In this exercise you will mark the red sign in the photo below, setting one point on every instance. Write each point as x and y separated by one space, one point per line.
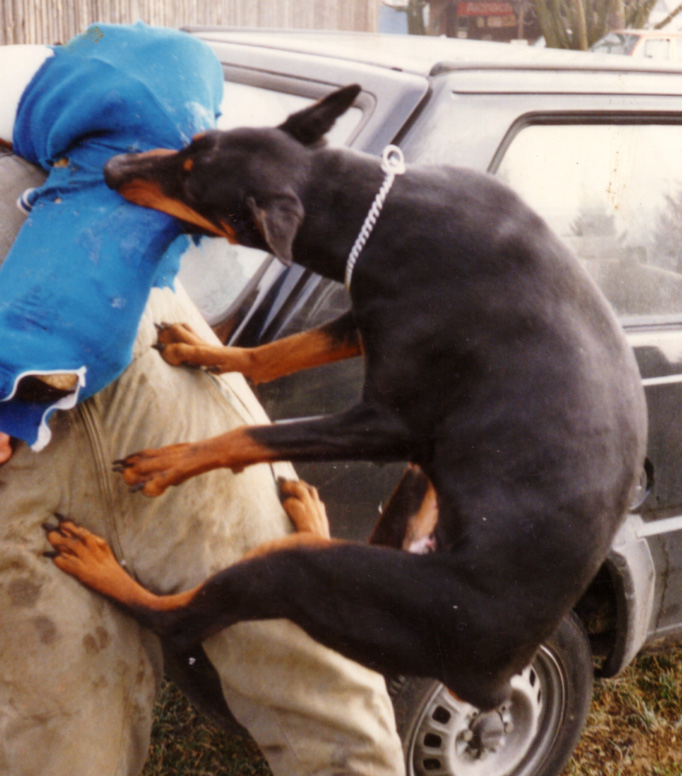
482 8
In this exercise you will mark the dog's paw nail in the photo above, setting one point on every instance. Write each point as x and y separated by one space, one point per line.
51 554
137 487
159 346
59 516
48 527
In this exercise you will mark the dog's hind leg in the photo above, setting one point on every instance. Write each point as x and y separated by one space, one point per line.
337 340
88 557
409 518
392 611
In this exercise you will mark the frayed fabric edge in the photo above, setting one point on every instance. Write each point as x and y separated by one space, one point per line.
65 403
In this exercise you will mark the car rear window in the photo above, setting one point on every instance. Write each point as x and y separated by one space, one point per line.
657 49
613 192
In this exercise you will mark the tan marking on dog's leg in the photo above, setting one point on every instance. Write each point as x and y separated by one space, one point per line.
153 471
261 364
89 559
171 333
409 517
180 345
307 512
293 354
422 524
291 542
304 506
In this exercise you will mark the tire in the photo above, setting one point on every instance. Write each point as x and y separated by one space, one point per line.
532 735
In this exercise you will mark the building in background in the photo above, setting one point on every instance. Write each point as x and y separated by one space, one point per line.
500 20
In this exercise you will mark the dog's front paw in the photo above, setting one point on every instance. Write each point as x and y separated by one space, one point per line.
178 344
177 333
152 472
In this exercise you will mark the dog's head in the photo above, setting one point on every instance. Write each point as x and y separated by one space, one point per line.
239 184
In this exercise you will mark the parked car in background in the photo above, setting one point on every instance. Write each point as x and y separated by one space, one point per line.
593 146
647 44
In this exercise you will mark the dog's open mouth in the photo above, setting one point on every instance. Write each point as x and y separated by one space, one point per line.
149 194
136 177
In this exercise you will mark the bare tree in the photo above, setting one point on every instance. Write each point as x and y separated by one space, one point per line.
577 24
415 17
669 18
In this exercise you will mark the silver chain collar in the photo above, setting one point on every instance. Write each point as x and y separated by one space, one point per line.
392 163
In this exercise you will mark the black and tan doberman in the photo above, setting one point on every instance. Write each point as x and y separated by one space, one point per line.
493 364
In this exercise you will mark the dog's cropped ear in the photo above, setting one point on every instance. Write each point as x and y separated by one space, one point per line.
311 124
278 217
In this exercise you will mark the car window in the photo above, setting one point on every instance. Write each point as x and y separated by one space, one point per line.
245 105
613 192
615 43
217 275
657 49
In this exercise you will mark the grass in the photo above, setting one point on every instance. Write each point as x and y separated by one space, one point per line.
634 729
187 743
635 723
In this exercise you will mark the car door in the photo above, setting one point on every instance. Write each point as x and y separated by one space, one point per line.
605 171
614 193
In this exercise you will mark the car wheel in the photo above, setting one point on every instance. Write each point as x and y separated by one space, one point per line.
533 734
